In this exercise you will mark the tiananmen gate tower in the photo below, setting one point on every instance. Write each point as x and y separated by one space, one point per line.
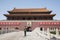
30 17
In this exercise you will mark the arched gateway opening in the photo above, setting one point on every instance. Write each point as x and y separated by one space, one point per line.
28 29
17 28
41 29
0 28
29 26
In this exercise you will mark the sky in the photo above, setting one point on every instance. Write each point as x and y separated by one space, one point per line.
7 5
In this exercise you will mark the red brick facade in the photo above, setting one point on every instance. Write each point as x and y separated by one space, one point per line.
21 25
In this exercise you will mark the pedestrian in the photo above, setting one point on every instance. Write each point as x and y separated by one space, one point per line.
25 31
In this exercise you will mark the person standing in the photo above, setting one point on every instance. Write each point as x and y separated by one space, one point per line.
25 31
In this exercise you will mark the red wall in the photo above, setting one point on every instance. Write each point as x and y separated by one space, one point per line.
21 25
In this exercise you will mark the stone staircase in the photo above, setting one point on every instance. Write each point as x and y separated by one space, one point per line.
46 35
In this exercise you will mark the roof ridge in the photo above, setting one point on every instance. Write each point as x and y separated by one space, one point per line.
30 8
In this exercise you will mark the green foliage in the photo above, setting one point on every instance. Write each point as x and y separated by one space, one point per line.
53 32
59 32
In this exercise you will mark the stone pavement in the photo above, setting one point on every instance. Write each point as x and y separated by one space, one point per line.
19 35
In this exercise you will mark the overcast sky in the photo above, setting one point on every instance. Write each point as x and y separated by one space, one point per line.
6 5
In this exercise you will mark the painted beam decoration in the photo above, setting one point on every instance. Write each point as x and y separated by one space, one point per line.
9 23
49 23
18 23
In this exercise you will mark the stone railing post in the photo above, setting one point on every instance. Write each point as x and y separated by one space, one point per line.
43 30
57 32
48 32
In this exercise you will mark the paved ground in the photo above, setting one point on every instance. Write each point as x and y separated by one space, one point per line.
20 36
